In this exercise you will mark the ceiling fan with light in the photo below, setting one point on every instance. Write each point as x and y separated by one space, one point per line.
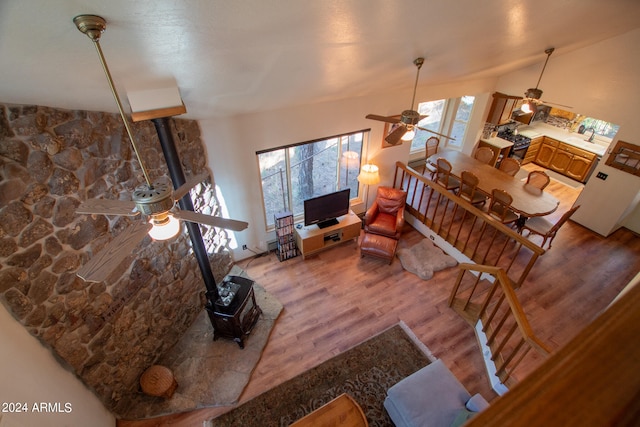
152 200
532 95
408 121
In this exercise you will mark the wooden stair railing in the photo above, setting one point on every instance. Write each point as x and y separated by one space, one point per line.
495 261
592 380
471 232
483 295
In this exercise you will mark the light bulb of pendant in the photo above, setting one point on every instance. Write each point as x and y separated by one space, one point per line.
408 136
164 228
526 108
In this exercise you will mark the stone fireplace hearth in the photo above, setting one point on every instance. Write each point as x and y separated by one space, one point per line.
106 333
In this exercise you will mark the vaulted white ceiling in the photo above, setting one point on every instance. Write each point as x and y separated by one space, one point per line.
233 57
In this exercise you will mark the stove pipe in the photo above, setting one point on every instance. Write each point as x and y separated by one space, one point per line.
177 176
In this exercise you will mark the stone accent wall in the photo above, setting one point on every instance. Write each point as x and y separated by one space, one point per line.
107 333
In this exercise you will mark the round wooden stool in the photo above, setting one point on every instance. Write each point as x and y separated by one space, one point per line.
158 381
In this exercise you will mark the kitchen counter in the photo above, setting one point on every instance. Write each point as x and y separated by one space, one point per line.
498 142
575 139
500 147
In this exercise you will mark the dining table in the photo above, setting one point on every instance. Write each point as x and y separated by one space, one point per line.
528 201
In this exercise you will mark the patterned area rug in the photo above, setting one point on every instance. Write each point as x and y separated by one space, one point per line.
365 372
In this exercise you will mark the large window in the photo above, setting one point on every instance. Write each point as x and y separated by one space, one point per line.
601 127
446 116
294 173
434 110
463 107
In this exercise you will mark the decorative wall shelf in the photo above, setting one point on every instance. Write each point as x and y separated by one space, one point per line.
625 157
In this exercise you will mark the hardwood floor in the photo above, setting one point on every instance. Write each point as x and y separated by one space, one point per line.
335 300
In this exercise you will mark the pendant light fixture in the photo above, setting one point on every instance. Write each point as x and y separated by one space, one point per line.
532 95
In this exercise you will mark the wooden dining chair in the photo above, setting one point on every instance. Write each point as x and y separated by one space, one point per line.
538 179
468 189
500 207
484 155
444 176
510 166
545 228
431 148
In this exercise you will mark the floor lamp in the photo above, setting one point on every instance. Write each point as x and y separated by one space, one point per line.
368 176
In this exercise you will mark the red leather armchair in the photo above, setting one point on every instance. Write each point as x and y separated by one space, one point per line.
386 214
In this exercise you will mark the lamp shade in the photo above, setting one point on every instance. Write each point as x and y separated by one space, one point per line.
526 108
369 174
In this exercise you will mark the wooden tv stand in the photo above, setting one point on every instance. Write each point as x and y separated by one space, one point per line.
312 239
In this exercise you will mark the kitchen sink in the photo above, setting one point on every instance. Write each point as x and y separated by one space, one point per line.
580 142
577 140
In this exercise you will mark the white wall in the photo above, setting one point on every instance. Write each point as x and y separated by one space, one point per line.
232 144
600 81
30 374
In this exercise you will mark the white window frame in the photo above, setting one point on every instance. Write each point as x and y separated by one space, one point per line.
446 125
269 222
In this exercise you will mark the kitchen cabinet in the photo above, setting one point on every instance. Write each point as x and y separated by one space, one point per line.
532 151
501 108
565 159
547 151
560 160
581 163
579 168
563 114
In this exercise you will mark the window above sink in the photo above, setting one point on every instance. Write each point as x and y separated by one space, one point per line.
594 130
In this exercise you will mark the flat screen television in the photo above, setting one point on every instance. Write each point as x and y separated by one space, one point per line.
323 210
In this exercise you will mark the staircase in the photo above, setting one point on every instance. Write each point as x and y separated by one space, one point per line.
484 297
494 261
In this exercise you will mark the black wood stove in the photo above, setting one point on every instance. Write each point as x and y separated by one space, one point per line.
235 312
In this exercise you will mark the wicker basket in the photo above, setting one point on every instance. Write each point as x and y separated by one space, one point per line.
158 381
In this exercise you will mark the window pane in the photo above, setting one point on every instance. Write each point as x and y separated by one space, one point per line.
601 127
461 120
314 171
465 107
457 132
435 110
350 163
274 183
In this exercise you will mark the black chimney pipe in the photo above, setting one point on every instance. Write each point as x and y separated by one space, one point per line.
177 176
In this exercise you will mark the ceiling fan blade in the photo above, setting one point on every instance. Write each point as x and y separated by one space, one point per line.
108 207
439 134
98 268
395 136
391 119
215 221
179 192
